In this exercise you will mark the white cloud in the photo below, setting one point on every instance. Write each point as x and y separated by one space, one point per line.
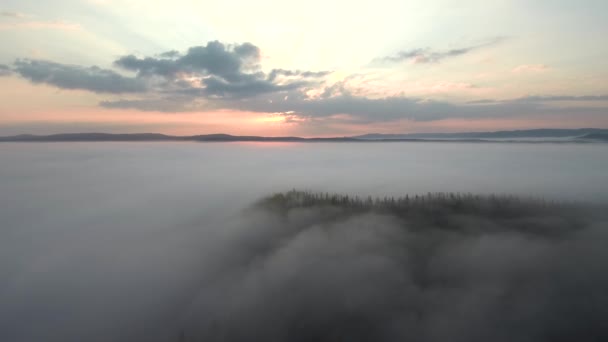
39 25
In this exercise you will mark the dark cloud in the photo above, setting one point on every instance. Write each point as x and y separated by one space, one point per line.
535 99
5 70
215 58
226 71
562 98
361 108
161 104
215 86
213 71
337 99
148 66
169 54
289 73
427 55
76 77
246 50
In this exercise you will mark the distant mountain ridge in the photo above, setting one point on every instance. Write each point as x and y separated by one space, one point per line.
90 137
67 137
529 133
538 135
603 136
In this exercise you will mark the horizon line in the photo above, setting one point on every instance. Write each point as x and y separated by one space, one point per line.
304 137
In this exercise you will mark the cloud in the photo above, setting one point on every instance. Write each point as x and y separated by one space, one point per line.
5 70
362 109
427 55
563 98
337 102
40 25
172 81
357 107
274 73
76 77
222 88
220 70
220 76
161 104
169 54
226 61
213 71
12 14
148 66
530 68
545 98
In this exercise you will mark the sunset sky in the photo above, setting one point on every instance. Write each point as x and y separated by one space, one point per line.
307 68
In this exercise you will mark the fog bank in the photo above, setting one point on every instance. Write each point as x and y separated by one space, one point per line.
162 242
304 267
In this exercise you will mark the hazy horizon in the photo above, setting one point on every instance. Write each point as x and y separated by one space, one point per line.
326 136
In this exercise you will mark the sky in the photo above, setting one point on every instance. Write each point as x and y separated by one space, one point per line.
308 68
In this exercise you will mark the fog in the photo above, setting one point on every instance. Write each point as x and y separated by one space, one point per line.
164 242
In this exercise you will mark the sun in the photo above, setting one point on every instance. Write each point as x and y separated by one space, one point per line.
271 118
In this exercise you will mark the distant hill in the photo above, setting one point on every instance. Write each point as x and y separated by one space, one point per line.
532 135
74 137
516 134
91 137
603 136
